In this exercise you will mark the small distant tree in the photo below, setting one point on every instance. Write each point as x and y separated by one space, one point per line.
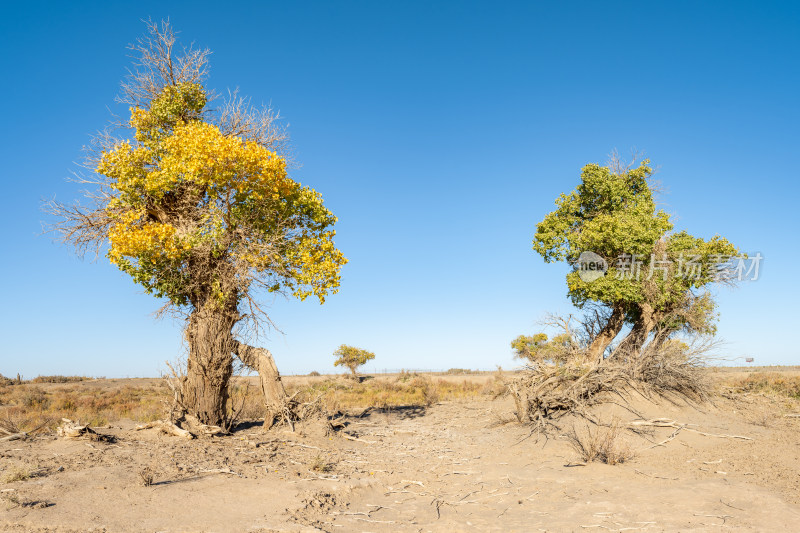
352 357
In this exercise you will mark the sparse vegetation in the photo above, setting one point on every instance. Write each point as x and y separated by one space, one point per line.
60 379
460 371
26 407
601 443
146 476
404 390
16 473
771 383
320 464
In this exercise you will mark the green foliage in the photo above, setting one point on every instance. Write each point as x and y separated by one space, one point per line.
609 214
613 213
539 350
352 357
200 215
177 103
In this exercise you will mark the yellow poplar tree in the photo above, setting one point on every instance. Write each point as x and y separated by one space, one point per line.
198 208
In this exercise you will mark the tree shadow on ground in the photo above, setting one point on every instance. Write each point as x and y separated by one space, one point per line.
400 412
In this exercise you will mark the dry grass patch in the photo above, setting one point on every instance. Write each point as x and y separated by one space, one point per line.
770 383
60 379
320 464
16 473
408 389
28 406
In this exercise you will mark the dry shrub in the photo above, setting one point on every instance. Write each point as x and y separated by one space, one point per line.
776 383
59 379
320 464
26 407
407 389
603 444
460 371
16 473
546 392
19 420
146 476
498 386
245 401
430 394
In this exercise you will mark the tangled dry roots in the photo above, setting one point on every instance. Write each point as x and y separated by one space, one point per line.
548 391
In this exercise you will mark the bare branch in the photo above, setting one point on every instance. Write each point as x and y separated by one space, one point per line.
156 66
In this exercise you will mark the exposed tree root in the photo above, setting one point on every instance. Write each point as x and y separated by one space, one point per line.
546 392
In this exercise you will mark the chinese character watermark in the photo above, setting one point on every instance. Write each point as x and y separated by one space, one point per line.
720 268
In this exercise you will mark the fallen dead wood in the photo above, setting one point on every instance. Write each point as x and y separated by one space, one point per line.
220 471
350 437
74 430
290 443
198 428
14 436
167 427
654 476
668 423
665 441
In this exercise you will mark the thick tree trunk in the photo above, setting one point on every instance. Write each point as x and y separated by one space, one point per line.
205 393
642 328
607 335
260 360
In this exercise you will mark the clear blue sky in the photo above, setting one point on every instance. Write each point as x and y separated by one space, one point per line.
440 134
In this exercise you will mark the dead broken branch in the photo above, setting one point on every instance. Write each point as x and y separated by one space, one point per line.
669 423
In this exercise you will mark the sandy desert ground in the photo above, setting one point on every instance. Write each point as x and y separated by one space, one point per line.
453 466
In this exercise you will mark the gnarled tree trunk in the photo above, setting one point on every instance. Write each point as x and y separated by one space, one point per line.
205 391
644 325
260 360
607 335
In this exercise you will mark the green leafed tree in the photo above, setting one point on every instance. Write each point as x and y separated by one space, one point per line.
352 357
648 284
